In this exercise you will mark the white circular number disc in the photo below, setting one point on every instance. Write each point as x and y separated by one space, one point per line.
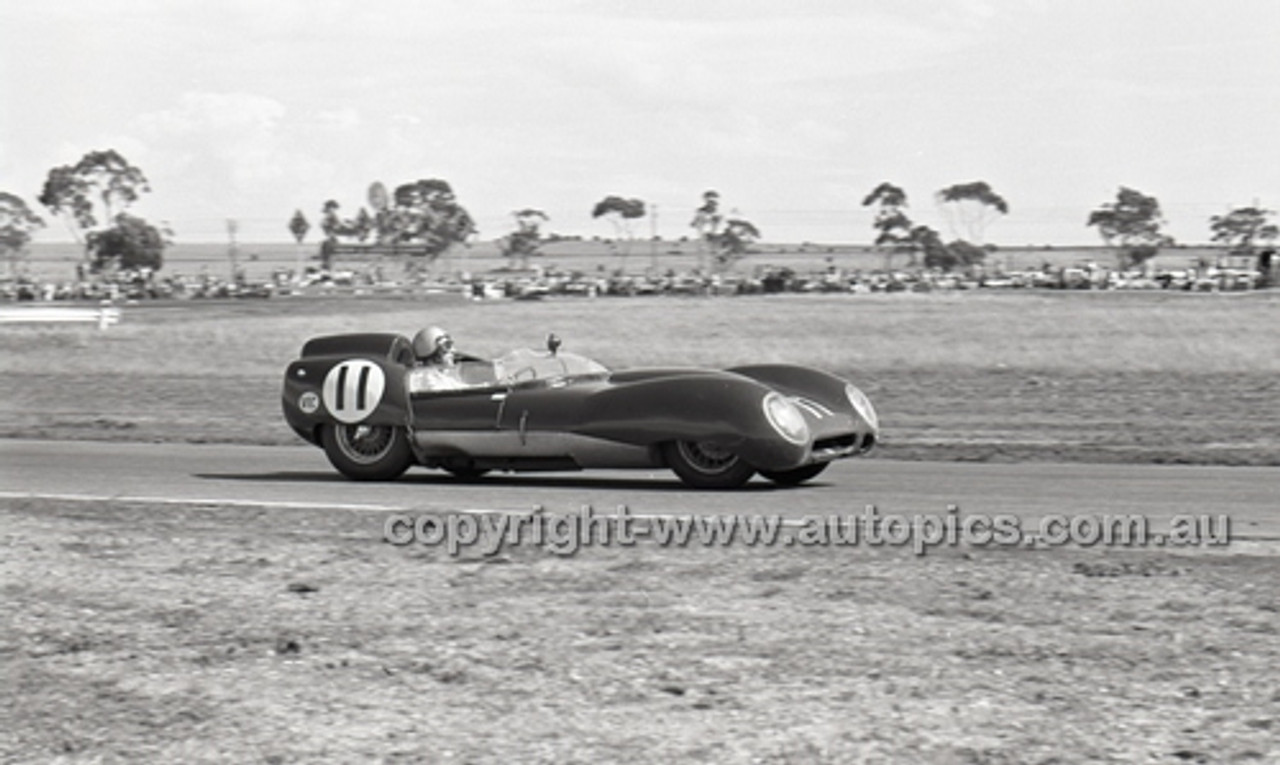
353 389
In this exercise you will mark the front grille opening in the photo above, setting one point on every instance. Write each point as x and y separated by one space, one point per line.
838 443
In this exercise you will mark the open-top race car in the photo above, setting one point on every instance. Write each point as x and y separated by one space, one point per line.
368 400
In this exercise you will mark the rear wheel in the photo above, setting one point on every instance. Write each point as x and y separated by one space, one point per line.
705 465
795 476
367 452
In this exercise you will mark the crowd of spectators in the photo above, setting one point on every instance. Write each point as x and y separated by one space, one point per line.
547 281
132 284
769 279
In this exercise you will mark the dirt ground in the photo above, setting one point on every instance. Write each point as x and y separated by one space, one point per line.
226 634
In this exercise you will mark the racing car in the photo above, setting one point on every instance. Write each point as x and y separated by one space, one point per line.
365 400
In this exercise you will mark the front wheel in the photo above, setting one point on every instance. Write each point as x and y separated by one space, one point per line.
367 452
704 465
795 476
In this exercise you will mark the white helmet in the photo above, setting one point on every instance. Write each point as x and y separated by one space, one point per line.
430 342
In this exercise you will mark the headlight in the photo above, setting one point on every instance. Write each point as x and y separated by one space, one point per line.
862 405
786 418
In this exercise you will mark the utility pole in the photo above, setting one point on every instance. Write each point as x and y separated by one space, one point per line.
232 255
653 235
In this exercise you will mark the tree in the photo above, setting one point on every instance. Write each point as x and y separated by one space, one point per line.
891 221
423 213
106 180
363 225
330 223
131 243
936 254
886 195
894 228
1242 227
426 213
73 191
731 243
973 205
727 238
706 220
17 223
336 227
523 243
621 212
298 226
1131 225
968 253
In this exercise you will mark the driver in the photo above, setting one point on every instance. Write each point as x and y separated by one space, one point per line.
438 365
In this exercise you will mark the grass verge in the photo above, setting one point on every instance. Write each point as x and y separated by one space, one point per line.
1097 377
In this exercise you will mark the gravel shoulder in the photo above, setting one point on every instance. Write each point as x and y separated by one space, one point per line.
203 634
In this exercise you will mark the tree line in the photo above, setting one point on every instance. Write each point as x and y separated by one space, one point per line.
94 196
423 218
1132 225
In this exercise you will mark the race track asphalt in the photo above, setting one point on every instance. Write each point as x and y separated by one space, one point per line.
301 476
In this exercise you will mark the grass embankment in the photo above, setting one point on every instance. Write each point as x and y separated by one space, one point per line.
1088 376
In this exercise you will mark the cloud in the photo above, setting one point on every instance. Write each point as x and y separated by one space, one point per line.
226 114
217 155
339 119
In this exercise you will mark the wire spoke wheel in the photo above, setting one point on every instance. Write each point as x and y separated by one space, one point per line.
365 444
706 457
367 452
706 465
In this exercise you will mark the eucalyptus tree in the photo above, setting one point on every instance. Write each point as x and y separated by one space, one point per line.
621 212
1243 228
17 224
1131 225
970 207
93 197
895 232
525 241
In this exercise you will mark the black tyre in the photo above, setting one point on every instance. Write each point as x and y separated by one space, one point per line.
367 452
704 465
795 476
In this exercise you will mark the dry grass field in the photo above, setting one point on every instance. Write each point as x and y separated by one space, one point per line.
1171 377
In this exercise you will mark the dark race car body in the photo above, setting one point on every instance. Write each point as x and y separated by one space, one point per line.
363 398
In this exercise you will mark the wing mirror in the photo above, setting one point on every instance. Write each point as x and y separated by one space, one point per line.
553 343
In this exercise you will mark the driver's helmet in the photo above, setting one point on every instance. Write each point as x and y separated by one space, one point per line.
431 342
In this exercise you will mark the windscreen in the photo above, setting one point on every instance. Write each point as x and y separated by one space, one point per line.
524 365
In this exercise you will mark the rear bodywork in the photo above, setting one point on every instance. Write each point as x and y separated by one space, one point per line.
548 411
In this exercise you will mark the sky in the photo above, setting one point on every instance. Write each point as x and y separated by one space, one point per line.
793 111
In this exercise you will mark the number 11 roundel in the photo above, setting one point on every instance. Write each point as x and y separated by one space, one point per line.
353 389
